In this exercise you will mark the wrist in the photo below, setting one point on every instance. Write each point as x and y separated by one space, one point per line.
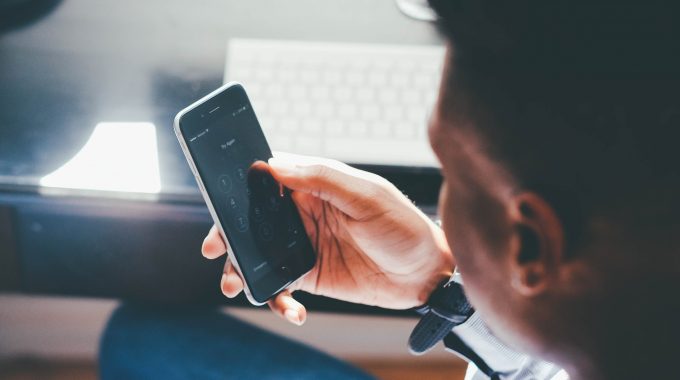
440 269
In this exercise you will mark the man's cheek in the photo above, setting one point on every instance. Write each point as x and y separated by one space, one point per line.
446 215
452 225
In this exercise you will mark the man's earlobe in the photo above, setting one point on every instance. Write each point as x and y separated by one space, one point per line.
539 247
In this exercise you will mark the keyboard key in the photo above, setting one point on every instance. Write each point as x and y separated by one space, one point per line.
335 128
280 142
430 98
407 66
308 145
412 97
302 109
319 93
354 78
287 76
324 110
311 126
431 66
332 77
267 123
388 96
260 106
399 79
404 130
377 79
264 75
359 64
423 80
297 92
365 94
254 89
272 126
289 125
383 64
278 108
416 114
381 129
347 111
369 112
309 77
274 91
394 113
421 133
242 72
358 129
342 94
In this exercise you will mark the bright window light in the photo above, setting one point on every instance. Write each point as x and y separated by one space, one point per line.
119 156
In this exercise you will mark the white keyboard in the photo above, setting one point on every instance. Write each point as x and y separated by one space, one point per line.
358 103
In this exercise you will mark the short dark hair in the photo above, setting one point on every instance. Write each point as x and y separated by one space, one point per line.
580 100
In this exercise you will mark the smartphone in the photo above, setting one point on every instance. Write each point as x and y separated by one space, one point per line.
227 151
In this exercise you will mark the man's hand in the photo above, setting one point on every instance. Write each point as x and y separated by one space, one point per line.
373 245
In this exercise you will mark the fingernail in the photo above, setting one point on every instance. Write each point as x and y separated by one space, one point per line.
293 316
282 166
223 284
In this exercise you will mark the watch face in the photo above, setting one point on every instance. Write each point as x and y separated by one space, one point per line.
450 299
452 308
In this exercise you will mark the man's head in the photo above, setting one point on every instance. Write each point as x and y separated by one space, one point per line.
557 127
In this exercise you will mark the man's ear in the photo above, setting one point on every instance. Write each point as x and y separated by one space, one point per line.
539 247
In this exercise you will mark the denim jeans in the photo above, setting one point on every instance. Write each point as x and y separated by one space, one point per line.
143 343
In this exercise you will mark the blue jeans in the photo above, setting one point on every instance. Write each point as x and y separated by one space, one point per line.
141 343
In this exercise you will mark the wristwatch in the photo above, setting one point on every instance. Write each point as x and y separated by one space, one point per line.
446 308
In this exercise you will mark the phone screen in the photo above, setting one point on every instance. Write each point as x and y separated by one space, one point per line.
262 224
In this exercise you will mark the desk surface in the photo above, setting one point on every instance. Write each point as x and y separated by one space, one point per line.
88 62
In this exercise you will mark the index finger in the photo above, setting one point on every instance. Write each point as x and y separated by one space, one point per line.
352 191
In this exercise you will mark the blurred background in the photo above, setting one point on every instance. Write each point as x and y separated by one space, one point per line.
97 204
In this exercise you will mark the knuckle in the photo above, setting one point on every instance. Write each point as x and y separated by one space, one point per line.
320 172
373 191
382 183
379 186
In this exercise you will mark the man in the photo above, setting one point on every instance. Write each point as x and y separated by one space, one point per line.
556 127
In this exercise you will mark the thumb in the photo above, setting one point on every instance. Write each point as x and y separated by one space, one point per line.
354 192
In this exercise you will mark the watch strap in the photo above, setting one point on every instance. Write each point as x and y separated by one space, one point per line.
446 308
